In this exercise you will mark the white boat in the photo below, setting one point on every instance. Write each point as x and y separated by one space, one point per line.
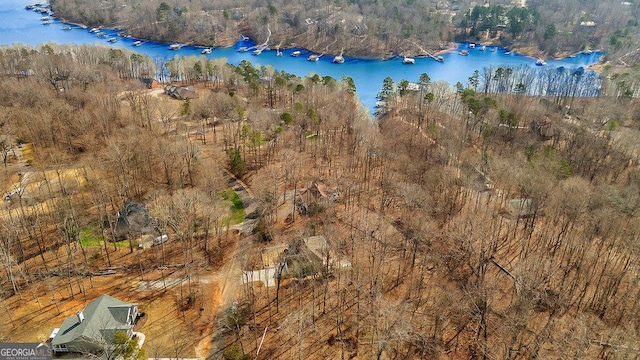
45 18
112 39
408 60
338 59
47 22
439 58
257 51
493 49
175 46
296 53
483 48
472 46
94 30
207 51
66 27
244 38
243 49
587 52
541 62
278 52
313 57
464 52
508 53
137 43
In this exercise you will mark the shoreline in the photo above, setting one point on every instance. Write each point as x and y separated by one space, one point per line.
65 21
451 48
129 36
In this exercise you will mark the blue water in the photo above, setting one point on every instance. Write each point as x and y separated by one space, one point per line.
20 26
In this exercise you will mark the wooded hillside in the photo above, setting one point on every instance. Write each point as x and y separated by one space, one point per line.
377 28
458 224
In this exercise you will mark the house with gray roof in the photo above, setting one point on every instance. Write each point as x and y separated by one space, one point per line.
93 329
181 92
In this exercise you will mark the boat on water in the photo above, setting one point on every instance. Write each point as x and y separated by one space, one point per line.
101 35
66 27
472 46
243 49
483 48
207 51
494 49
244 38
28 7
541 62
439 58
175 46
47 22
45 18
94 30
137 43
112 39
296 53
586 52
463 52
257 51
508 52
338 59
314 57
408 60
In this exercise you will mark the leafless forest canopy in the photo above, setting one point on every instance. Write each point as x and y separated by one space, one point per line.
376 27
477 223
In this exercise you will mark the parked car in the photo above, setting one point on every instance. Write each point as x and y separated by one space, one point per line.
160 239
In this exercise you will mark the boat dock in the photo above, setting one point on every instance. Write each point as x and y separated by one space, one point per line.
437 58
258 49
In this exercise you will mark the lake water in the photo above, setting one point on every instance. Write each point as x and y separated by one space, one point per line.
20 26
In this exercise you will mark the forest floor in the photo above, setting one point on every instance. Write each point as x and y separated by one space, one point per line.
174 326
160 294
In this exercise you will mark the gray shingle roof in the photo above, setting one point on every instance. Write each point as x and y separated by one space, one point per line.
104 313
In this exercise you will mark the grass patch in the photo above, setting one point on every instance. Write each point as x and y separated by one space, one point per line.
90 237
27 153
236 209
